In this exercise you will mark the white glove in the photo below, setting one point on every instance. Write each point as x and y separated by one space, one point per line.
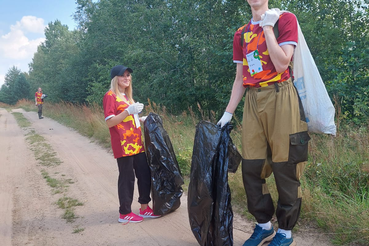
143 118
225 119
270 17
135 108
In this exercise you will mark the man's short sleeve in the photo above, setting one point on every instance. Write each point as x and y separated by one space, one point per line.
287 27
237 46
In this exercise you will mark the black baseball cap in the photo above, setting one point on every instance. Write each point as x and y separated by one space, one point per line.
119 70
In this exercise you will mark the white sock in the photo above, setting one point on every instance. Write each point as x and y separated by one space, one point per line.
266 226
286 232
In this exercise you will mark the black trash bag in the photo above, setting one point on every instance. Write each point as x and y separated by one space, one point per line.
166 177
234 157
209 197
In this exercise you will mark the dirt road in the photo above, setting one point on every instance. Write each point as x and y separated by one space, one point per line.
29 214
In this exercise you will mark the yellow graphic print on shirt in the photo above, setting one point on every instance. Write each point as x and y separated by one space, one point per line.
130 118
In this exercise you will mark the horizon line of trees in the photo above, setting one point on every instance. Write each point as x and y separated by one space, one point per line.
181 52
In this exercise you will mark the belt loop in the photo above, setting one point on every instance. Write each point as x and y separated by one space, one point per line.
276 86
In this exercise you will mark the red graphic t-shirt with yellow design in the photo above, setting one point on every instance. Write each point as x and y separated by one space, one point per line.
38 97
126 138
254 39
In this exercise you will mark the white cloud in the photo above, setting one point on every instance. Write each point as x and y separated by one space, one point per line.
30 24
15 45
17 48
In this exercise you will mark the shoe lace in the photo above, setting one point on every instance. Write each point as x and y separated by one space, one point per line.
128 220
277 239
256 233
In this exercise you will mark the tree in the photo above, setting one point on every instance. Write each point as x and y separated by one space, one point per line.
5 95
22 88
54 65
337 34
16 87
181 51
8 91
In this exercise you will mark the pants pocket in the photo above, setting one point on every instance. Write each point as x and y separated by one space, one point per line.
299 143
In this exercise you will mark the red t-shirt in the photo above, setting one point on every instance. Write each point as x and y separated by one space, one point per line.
126 138
254 39
38 97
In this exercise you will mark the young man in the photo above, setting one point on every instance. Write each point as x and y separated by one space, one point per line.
274 137
39 102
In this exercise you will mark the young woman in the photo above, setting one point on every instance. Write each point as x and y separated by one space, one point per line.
121 116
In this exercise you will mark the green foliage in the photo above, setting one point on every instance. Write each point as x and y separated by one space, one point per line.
352 83
53 67
337 35
99 84
181 52
337 178
52 182
22 88
184 157
5 94
348 173
68 202
21 120
78 229
16 87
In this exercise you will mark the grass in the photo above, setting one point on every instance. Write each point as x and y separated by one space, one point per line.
52 182
335 183
337 180
78 229
43 151
21 120
67 202
68 205
58 185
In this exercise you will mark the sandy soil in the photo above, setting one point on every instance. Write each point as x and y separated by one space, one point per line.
29 215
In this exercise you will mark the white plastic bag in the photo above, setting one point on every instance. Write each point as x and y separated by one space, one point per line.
318 107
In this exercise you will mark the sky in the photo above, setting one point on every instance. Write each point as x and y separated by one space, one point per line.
22 24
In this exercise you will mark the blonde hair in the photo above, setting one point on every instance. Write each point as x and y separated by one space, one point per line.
115 89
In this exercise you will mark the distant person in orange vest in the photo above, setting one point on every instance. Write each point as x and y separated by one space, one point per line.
39 102
121 116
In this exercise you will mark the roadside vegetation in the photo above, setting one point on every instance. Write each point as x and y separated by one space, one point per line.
47 158
335 183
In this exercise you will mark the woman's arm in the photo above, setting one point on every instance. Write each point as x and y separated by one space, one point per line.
132 109
115 120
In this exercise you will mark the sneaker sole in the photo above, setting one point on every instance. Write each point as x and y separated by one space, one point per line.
129 221
293 243
149 216
267 239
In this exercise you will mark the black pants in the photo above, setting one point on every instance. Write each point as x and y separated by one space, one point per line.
129 167
39 110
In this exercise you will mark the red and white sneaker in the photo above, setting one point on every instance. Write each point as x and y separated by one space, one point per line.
129 218
148 213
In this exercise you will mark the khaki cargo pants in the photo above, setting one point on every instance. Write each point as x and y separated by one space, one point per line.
274 139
